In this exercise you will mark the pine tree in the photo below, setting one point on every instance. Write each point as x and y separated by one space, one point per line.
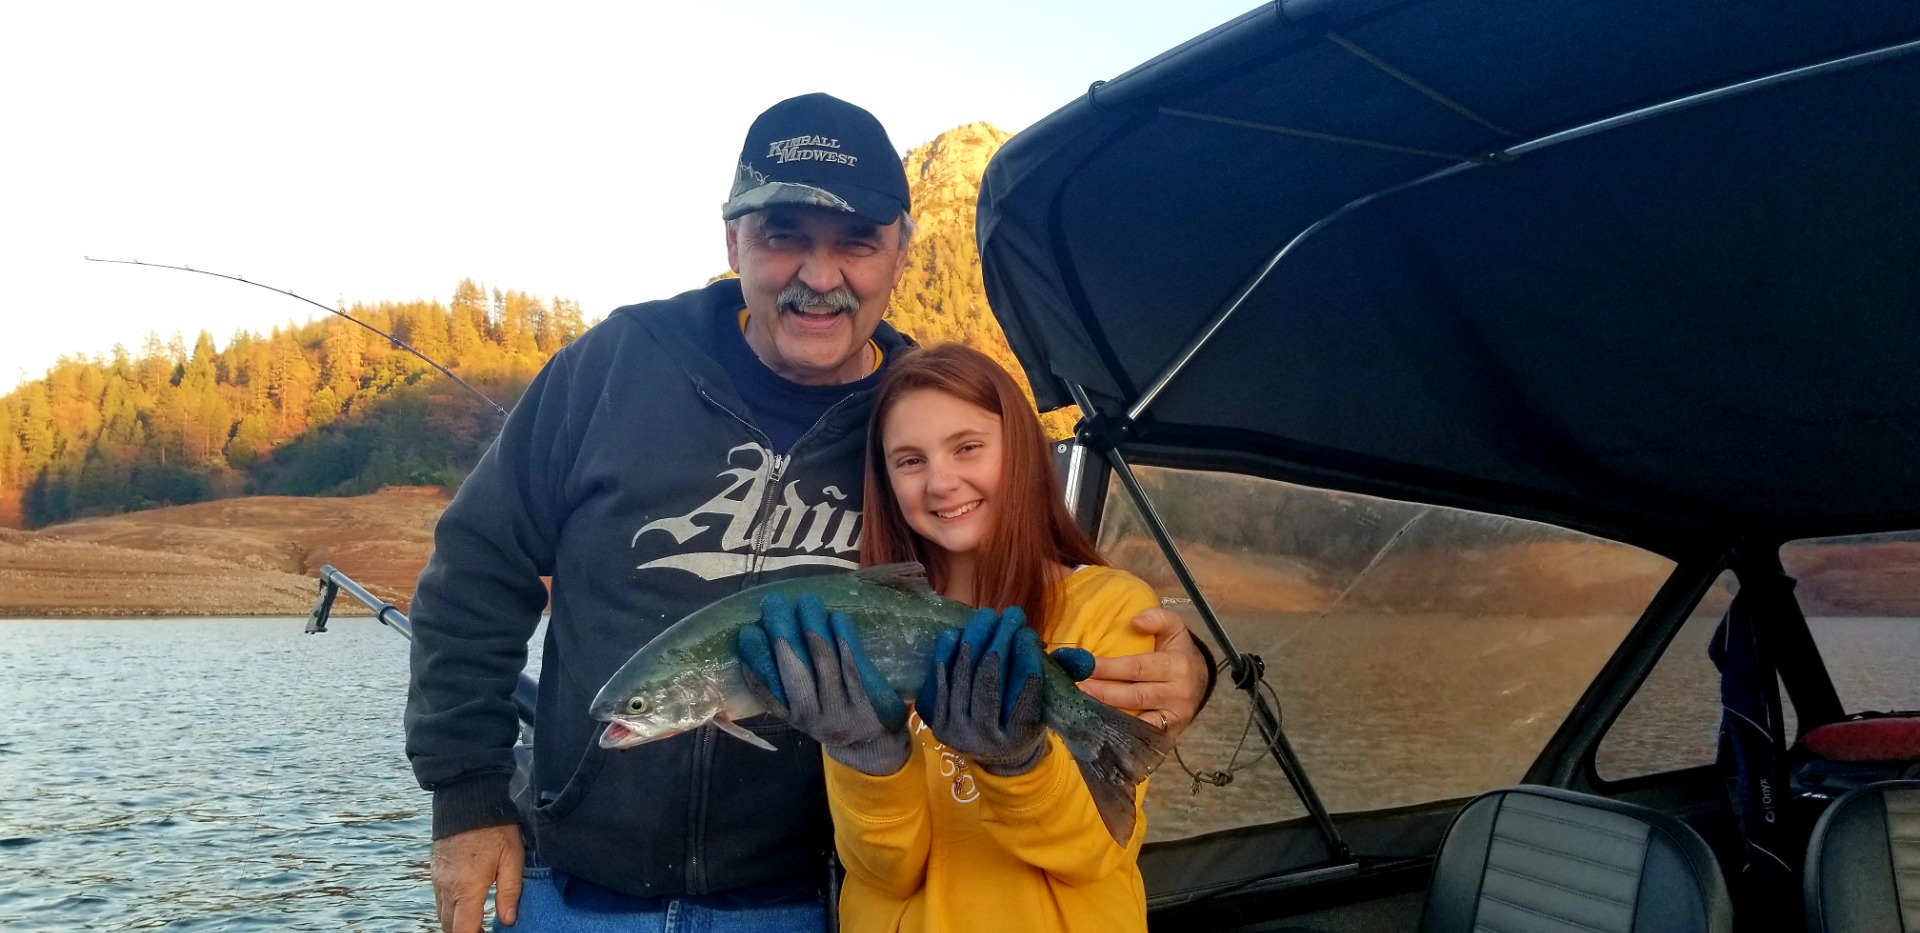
12 457
467 326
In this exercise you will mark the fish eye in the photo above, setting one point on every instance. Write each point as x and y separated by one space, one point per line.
637 705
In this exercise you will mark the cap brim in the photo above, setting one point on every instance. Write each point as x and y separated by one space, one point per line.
864 203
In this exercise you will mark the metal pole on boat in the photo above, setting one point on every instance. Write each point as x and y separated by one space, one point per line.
333 582
1246 669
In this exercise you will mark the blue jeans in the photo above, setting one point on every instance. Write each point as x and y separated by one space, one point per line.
543 909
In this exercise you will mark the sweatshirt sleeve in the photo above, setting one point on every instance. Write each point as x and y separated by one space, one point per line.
477 605
882 825
1046 816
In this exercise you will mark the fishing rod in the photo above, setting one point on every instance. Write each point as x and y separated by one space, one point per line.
526 690
390 338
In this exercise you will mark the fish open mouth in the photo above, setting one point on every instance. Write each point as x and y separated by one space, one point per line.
618 734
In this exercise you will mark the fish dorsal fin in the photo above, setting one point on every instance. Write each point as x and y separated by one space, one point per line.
909 577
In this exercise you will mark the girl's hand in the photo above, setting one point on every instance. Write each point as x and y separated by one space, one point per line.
983 693
807 667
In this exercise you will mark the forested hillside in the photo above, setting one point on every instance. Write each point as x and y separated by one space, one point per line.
324 407
327 408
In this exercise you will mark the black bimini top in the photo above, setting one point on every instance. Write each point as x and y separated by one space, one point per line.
1648 269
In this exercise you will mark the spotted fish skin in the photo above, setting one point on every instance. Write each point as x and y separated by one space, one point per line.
690 676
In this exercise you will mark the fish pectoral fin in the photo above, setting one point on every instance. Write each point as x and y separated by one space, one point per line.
740 732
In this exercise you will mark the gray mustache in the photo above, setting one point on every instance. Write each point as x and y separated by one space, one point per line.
798 295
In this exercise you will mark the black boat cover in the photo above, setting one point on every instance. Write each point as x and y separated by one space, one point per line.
1683 329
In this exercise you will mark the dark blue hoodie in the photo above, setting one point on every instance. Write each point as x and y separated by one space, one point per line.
633 474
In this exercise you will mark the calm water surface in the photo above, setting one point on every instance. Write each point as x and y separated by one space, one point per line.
207 775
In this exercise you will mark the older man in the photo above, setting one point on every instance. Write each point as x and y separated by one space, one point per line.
680 451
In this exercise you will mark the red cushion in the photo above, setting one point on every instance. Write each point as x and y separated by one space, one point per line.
1881 738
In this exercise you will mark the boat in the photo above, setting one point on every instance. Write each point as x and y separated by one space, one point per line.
1636 281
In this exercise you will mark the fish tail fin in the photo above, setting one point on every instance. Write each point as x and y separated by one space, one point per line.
1115 752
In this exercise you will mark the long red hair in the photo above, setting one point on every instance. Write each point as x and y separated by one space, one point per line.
1018 562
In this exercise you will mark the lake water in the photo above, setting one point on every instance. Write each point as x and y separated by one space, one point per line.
237 775
207 775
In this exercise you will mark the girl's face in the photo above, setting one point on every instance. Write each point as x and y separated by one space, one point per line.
943 462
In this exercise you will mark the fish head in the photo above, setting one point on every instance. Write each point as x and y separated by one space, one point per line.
647 706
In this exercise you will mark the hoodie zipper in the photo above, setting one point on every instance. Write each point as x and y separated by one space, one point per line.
777 473
763 532
703 759
703 755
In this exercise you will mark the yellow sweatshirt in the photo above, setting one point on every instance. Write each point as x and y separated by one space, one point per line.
943 845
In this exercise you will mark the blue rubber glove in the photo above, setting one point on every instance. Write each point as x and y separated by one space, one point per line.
806 666
1077 662
982 696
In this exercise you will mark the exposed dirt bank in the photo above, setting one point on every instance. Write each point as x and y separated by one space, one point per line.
233 557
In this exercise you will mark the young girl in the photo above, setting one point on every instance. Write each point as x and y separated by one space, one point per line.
982 830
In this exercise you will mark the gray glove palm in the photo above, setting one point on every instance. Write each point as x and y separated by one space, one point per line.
982 697
807 667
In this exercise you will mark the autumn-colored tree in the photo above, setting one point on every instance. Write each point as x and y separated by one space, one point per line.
313 408
342 363
12 457
467 326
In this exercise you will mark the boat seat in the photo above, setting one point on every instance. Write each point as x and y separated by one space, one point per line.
1863 861
1537 859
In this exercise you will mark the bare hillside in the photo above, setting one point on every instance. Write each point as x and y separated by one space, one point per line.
232 557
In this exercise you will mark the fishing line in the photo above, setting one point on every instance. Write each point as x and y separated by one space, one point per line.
1223 777
395 341
1355 582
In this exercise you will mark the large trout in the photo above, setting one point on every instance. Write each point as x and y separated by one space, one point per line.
689 676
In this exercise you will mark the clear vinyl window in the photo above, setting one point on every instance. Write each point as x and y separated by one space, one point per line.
1673 721
1418 653
1861 597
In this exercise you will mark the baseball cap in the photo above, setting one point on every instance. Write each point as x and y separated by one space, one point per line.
819 150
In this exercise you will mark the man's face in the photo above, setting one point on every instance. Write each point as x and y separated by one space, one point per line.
823 250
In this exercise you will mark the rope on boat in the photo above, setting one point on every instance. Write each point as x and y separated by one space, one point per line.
1251 678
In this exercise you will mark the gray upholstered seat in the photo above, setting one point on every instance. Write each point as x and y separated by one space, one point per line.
1539 859
1863 862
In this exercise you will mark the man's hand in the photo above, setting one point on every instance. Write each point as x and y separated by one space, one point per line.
1165 686
465 865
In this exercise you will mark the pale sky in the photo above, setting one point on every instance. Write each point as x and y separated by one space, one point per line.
385 150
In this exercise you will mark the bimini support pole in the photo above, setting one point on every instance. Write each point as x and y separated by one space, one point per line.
1472 161
1246 669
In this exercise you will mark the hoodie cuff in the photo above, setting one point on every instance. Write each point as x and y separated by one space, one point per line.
1213 672
472 804
885 798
